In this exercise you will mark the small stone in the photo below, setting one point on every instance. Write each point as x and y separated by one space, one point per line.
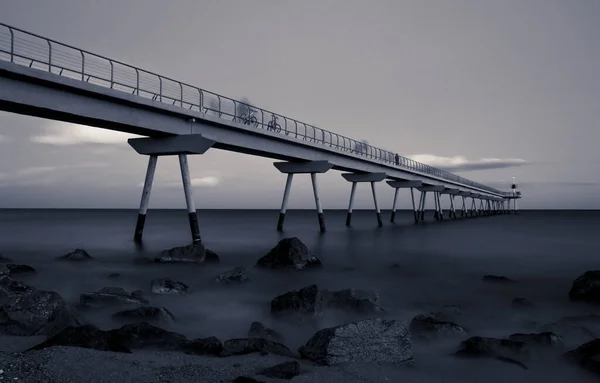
110 296
491 347
300 304
77 255
168 286
429 326
544 339
289 253
236 275
193 253
497 279
259 330
286 370
363 301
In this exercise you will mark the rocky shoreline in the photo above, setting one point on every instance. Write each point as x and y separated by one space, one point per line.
374 339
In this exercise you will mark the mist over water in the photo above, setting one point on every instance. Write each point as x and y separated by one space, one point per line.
438 264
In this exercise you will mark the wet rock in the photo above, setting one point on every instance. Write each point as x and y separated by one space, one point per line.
86 337
543 340
497 279
492 347
4 271
300 304
362 301
144 335
289 253
574 330
259 330
431 326
168 286
204 346
372 340
194 253
587 355
76 255
27 311
211 257
114 275
149 314
110 296
586 288
286 370
243 346
236 275
20 269
522 303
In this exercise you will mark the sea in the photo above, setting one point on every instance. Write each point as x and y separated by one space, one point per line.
415 269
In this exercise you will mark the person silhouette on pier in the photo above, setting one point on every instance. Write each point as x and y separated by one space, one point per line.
397 158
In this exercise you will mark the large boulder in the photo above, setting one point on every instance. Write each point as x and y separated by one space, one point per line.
27 311
289 253
587 355
86 337
159 315
259 330
431 326
371 340
76 255
193 253
111 296
362 301
236 275
144 335
300 304
168 286
243 346
586 288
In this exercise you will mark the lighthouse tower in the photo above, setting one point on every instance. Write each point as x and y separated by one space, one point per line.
516 194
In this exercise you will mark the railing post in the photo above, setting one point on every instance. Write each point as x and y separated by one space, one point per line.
137 81
12 45
200 99
82 66
112 75
181 94
160 88
49 56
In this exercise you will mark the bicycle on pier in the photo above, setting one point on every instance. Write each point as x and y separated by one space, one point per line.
249 118
273 125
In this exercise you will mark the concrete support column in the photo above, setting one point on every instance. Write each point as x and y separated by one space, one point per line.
424 195
286 196
412 197
452 212
189 199
436 212
421 203
393 216
139 226
463 210
349 215
405 184
313 177
515 205
379 221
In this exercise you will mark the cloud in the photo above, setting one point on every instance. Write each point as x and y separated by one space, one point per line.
63 133
210 181
460 163
4 138
45 175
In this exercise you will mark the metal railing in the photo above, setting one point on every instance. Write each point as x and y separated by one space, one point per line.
28 49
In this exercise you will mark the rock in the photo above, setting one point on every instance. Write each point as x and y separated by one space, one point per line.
587 355
371 340
144 335
211 257
430 326
522 303
586 288
77 255
363 301
146 314
114 275
497 279
110 296
574 330
245 379
491 347
84 336
544 339
4 271
236 275
243 346
4 259
204 346
19 269
259 330
286 370
299 304
194 253
289 253
168 286
27 311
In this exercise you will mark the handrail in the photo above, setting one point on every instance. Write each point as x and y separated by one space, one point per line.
17 47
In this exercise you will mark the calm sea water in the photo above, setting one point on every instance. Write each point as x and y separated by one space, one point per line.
441 263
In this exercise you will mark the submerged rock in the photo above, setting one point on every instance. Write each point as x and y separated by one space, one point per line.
168 286
86 337
211 257
4 259
28 311
286 370
259 330
586 288
4 271
194 253
245 379
144 335
492 347
114 275
587 355
244 346
522 303
236 275
372 340
146 314
431 326
544 339
497 279
300 304
110 296
76 255
362 301
574 330
204 346
20 269
289 253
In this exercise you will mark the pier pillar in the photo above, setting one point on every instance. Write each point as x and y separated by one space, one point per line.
393 215
402 184
435 189
302 167
421 212
139 227
364 177
286 196
436 212
452 212
180 145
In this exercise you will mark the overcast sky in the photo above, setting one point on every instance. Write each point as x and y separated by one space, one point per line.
450 83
